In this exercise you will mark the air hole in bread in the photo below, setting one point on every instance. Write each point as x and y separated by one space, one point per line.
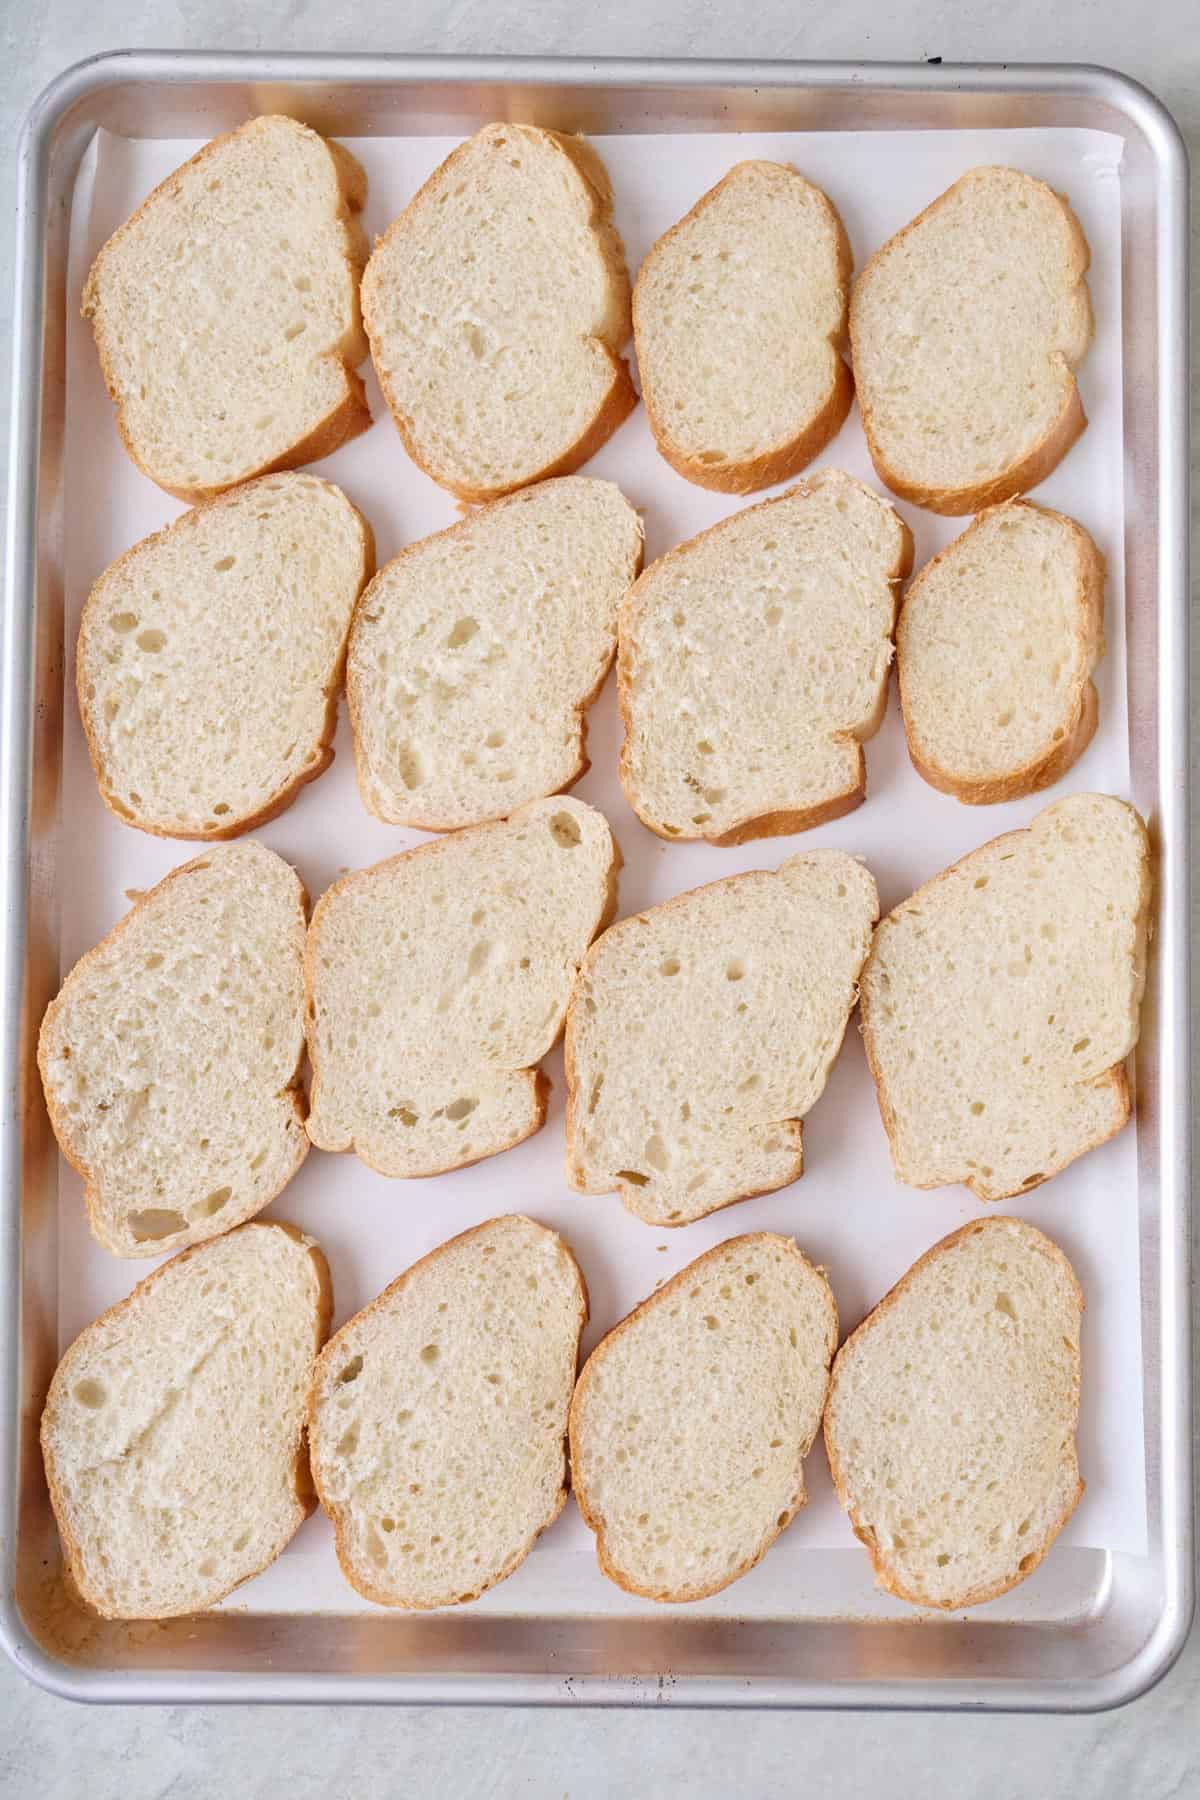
461 1109
293 331
657 1154
124 621
494 740
461 633
348 1442
634 1177
225 564
565 831
151 641
735 970
91 1393
670 966
351 1371
430 1353
214 1202
155 1222
404 1113
409 765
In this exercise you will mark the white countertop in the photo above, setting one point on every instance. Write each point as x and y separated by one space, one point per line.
1150 1751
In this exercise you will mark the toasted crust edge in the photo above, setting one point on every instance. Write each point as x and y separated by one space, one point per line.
351 416
538 1080
423 822
621 397
1116 1078
1047 767
1042 457
781 460
305 1497
322 749
779 822
337 1514
92 1185
885 1576
594 1519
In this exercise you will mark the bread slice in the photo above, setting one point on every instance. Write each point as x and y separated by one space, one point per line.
754 663
692 1418
496 305
173 1432
951 1417
966 329
171 1055
701 1032
476 652
438 979
995 648
739 317
999 1003
226 311
438 1416
211 654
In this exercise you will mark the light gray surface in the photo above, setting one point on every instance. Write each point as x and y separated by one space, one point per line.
1152 1750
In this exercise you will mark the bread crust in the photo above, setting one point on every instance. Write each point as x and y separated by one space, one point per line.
886 1576
1115 1079
361 1583
60 1121
305 1497
620 397
1043 456
322 749
581 707
785 458
1055 759
351 415
778 823
594 1519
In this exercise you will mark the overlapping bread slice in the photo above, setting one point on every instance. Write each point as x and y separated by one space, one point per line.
1000 1001
496 305
966 329
701 1032
438 979
438 1416
739 316
754 662
171 1055
692 1418
173 1432
211 655
476 652
951 1417
226 311
996 644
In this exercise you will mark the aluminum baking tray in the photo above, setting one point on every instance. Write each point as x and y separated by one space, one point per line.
1099 1626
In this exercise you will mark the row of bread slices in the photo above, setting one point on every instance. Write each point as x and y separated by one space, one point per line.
999 1004
179 1426
753 659
497 304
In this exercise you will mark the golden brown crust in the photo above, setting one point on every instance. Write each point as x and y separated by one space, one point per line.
322 750
351 415
593 1518
1115 1078
332 1351
61 1124
581 707
621 396
885 1576
779 461
1043 770
1043 456
538 1079
780 823
305 1498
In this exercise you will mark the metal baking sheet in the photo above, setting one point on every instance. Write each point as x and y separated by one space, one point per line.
1105 1612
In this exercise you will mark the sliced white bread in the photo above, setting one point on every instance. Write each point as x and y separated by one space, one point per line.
739 317
438 1416
211 656
754 662
496 305
226 311
476 652
995 647
171 1055
173 1432
701 1032
438 979
951 1417
966 329
1000 1002
692 1418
